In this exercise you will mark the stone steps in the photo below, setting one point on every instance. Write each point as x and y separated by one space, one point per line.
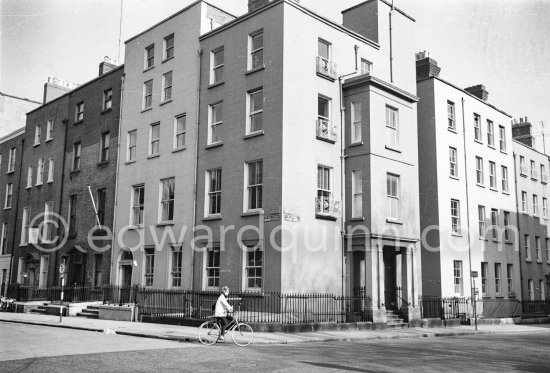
394 321
90 312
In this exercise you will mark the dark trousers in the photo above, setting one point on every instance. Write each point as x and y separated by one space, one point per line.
224 321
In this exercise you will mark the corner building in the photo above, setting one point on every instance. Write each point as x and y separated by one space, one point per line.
467 193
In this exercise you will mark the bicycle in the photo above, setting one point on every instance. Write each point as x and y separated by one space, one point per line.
241 333
6 304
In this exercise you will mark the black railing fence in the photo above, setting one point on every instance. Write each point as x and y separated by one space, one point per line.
108 294
463 308
265 307
536 307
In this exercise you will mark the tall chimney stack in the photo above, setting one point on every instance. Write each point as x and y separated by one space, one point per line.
521 131
426 67
479 91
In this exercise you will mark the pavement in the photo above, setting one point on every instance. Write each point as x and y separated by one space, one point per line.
190 334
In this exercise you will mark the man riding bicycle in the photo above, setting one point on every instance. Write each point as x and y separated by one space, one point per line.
221 310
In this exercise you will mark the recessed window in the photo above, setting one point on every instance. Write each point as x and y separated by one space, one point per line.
455 216
458 282
168 47
149 272
217 62
481 220
179 131
79 112
107 99
48 225
253 268
150 56
215 123
177 262
502 140
4 243
526 247
504 172
73 208
147 94
479 171
490 133
104 145
49 130
11 160
535 205
453 162
138 205
357 193
356 124
212 267
214 185
392 193
497 278
25 225
484 271
167 199
101 203
392 127
256 48
494 224
167 86
538 251
254 185
451 123
510 277
492 175
255 110
477 127
132 146
29 177
154 136
77 147
366 67
9 196
37 134
40 171
524 207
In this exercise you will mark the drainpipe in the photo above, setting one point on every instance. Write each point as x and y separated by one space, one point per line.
519 229
113 270
196 171
66 123
391 43
472 295
342 169
13 246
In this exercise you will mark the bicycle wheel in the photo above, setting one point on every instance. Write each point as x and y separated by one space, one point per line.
209 332
242 335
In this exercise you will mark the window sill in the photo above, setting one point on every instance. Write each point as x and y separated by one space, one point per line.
102 163
165 102
147 109
539 261
324 139
533 179
522 175
525 213
491 146
78 122
212 217
503 151
75 172
361 218
50 181
451 130
359 143
483 239
253 212
252 71
10 172
175 150
153 156
327 77
456 234
478 141
494 190
48 140
392 149
35 145
135 227
104 111
453 177
393 221
325 217
130 162
148 68
528 260
214 145
29 187
254 134
505 192
508 242
165 223
38 184
167 59
480 185
216 84
7 208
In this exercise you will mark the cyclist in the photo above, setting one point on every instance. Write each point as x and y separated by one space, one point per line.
222 307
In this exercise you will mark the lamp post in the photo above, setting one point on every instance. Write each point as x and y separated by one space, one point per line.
474 300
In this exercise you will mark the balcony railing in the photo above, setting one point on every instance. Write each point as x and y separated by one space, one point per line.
325 130
326 68
523 170
544 178
327 206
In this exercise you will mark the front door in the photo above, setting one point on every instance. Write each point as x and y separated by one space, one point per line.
126 275
390 283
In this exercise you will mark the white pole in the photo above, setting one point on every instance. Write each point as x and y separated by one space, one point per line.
61 307
95 209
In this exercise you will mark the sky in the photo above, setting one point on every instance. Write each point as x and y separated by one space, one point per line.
502 44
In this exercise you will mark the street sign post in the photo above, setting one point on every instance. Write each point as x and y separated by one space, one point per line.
62 272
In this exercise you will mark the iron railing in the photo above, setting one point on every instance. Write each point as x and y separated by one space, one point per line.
325 130
462 308
108 294
536 307
326 68
264 307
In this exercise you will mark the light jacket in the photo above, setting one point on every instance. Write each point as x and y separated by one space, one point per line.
222 306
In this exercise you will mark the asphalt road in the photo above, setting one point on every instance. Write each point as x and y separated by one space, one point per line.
28 348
